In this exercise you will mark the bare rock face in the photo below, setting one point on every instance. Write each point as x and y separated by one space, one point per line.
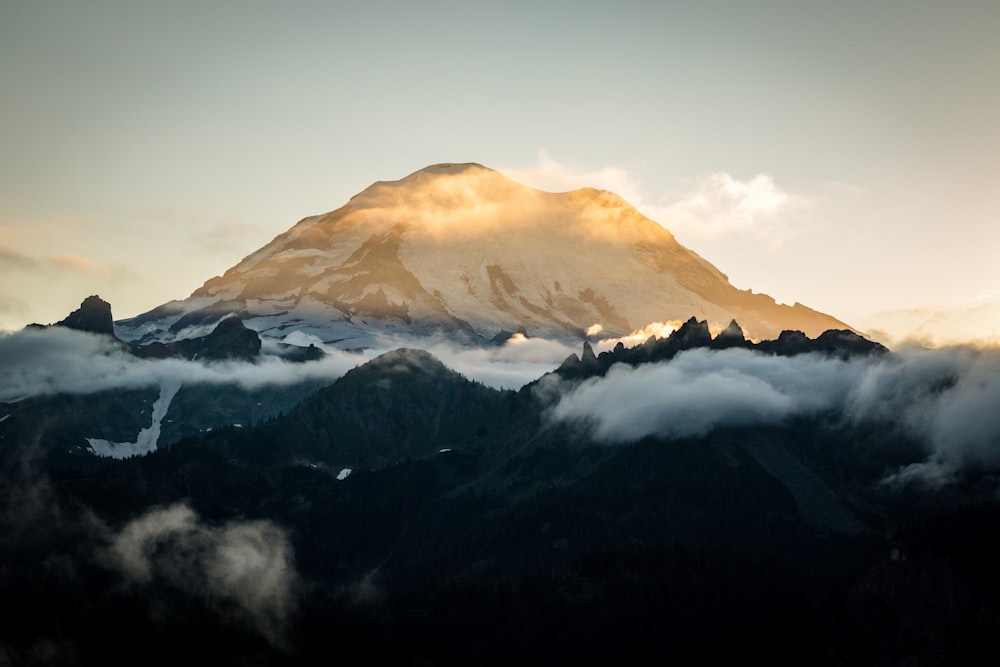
462 251
93 316
731 336
230 339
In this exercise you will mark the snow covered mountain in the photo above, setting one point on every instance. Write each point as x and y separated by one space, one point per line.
463 251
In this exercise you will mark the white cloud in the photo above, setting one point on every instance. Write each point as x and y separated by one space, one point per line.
517 362
554 176
721 205
701 389
242 567
944 401
946 398
58 360
704 209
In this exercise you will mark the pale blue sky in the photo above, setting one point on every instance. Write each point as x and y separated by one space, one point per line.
149 146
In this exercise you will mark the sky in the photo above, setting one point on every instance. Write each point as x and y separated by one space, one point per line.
842 155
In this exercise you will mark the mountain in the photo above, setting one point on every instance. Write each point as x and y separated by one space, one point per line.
463 251
228 339
93 316
174 481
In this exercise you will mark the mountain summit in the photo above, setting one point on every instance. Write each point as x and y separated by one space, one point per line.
461 250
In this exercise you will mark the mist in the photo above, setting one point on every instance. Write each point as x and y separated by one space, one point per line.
944 399
58 360
701 389
243 568
518 361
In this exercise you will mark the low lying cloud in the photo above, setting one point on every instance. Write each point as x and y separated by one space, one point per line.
945 400
242 570
701 389
58 360
518 361
242 567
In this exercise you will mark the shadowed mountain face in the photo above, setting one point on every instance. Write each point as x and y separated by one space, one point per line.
460 249
93 316
404 514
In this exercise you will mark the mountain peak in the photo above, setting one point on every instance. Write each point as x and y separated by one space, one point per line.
452 168
461 250
731 335
93 316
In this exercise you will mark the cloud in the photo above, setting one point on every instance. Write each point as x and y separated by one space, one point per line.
945 398
77 265
977 321
700 390
59 360
517 362
553 176
244 567
720 205
944 401
704 209
83 266
15 260
243 570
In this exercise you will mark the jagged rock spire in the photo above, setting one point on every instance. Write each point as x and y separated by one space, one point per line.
93 316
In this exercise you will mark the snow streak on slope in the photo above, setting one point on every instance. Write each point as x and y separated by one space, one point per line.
147 439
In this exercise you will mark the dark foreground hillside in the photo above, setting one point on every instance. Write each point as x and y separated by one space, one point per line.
405 515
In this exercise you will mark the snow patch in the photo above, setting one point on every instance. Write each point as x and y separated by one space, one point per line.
446 449
4 418
147 439
344 474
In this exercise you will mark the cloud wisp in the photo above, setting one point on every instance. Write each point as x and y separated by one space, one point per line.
701 389
945 400
512 365
720 205
550 175
704 209
62 264
58 360
242 567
